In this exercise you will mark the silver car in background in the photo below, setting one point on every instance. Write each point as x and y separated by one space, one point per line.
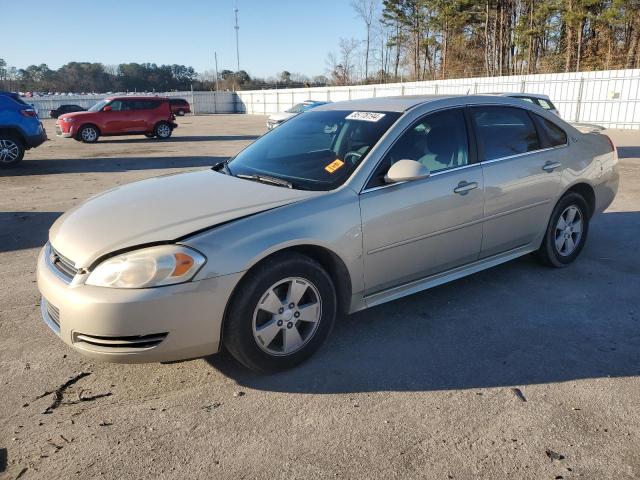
348 206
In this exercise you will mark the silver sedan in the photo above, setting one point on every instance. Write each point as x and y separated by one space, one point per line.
348 206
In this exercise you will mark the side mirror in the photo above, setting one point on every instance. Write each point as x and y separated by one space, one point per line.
107 109
406 171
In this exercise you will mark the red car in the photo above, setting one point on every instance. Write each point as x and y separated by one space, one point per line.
179 106
149 116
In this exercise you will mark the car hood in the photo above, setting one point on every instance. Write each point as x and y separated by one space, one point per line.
281 117
161 209
75 114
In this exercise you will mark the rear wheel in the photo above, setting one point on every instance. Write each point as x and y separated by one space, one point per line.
180 113
567 231
88 134
280 314
163 130
11 150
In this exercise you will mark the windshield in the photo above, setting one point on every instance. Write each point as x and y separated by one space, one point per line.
315 151
98 106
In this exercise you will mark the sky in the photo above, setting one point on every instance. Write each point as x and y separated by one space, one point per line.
275 35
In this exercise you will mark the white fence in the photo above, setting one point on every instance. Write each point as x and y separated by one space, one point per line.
609 98
201 102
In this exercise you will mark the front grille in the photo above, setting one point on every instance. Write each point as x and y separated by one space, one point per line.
123 344
54 313
50 315
62 263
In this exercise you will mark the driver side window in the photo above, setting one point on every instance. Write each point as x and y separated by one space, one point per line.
438 141
116 105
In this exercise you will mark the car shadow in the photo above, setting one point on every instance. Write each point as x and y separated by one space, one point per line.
3 459
628 152
107 164
178 139
21 230
517 324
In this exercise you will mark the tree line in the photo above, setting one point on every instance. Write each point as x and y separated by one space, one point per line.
96 77
79 77
437 39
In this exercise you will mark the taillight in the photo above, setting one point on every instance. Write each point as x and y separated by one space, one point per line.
613 145
29 112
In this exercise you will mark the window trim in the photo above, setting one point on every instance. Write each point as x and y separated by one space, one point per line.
471 147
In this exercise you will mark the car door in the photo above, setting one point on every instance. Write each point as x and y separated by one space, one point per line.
521 177
415 229
114 120
138 115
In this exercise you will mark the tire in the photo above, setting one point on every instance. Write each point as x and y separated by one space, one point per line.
563 241
150 135
268 342
88 134
162 130
11 150
180 113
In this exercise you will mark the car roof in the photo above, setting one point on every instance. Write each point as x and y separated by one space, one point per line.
386 104
138 97
402 104
519 94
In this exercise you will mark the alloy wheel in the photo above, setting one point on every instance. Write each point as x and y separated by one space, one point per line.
9 151
163 130
287 316
89 134
568 231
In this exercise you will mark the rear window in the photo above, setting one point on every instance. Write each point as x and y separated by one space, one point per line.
504 131
178 101
16 98
146 104
546 104
556 136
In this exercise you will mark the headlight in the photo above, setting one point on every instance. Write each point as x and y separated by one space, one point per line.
68 119
148 267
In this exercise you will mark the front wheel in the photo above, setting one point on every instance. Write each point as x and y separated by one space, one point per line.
180 113
281 314
88 134
11 151
567 231
163 130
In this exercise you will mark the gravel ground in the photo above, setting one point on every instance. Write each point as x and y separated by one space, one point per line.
517 372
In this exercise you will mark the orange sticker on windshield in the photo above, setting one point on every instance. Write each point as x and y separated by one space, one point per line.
333 166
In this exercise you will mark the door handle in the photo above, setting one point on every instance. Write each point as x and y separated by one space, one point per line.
464 187
551 166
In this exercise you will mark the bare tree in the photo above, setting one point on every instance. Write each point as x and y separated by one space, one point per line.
341 66
366 10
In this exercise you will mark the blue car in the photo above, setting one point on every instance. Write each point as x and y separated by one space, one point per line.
278 118
20 129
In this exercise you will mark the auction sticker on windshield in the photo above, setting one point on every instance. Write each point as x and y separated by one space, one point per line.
365 116
333 166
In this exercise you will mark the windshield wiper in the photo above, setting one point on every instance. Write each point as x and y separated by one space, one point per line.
266 179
